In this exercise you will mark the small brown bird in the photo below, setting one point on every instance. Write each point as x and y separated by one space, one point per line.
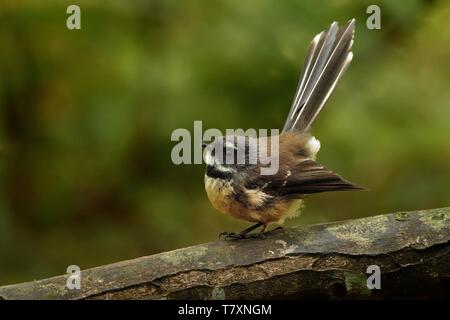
239 189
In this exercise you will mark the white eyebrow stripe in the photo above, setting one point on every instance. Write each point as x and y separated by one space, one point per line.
223 168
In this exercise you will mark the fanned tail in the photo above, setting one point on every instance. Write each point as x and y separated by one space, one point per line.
328 56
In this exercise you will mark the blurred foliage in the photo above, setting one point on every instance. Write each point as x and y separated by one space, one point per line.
86 118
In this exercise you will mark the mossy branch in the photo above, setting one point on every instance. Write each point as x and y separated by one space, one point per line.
330 260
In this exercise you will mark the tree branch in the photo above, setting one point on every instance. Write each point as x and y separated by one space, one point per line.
329 260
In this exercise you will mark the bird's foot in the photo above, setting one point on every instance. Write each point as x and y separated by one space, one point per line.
239 236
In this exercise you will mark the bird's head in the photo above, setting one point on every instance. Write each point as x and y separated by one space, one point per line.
229 155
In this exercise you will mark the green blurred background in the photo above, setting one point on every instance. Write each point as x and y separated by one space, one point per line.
86 118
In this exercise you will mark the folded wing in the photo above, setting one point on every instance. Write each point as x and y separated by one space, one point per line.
307 177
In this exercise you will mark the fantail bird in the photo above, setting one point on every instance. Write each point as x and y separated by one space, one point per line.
240 190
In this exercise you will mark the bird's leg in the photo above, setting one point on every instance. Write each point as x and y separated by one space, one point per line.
264 228
253 227
244 234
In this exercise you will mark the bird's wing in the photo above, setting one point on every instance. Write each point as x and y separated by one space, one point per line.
306 177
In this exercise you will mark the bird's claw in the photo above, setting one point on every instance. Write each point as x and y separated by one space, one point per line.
239 236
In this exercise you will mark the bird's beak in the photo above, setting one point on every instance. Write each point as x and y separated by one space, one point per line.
204 145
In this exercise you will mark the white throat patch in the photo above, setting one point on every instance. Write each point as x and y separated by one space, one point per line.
210 161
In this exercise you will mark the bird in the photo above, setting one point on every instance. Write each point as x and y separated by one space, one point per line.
238 188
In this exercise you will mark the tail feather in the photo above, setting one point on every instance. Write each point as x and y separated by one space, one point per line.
327 58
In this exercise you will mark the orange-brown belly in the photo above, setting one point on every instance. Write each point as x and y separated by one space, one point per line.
220 193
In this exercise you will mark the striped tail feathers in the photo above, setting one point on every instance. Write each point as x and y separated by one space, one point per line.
328 56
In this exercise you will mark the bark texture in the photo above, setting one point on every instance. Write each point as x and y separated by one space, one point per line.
329 260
